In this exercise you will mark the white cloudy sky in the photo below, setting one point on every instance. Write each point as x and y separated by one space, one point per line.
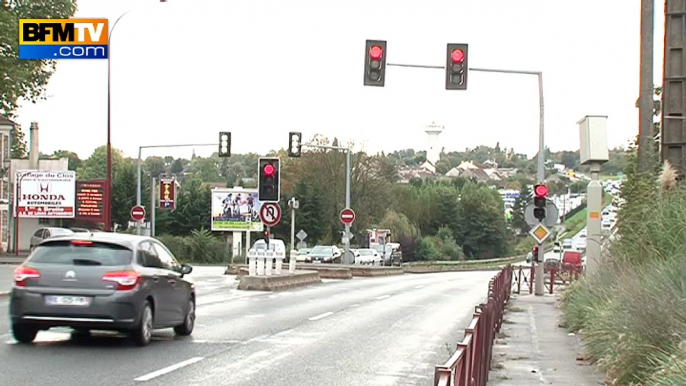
184 70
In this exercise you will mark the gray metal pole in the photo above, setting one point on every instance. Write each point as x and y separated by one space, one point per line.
292 230
347 205
594 204
138 188
539 276
645 100
153 185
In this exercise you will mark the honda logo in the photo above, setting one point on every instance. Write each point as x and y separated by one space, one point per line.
44 187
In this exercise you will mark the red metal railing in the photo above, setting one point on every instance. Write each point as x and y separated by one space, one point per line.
555 275
470 364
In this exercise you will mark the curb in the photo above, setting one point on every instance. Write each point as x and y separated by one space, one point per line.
4 294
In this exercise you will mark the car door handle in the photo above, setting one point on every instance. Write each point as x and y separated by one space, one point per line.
171 282
155 278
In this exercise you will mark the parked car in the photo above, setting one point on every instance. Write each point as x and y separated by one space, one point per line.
368 256
46 233
303 255
326 254
567 244
390 254
102 281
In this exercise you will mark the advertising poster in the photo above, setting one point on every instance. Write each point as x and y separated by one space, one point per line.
90 198
42 194
167 191
236 210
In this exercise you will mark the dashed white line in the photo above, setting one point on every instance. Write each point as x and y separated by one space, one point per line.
419 287
168 369
383 297
321 316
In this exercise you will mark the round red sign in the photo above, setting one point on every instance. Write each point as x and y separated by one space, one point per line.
347 216
138 213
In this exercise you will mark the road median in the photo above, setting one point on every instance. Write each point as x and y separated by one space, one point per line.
279 282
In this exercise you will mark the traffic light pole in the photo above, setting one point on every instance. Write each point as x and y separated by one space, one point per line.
138 181
539 275
348 161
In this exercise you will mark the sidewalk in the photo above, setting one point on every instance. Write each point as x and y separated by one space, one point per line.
532 350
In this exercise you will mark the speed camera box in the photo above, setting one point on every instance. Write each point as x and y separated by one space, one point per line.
593 133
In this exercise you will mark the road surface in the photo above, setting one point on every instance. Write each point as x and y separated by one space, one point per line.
371 331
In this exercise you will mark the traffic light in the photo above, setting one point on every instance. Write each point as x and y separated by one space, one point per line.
294 144
456 67
375 63
540 193
534 254
224 144
269 183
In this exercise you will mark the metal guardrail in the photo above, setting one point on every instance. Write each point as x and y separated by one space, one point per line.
470 364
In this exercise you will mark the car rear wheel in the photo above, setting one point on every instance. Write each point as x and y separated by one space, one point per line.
24 333
188 322
142 335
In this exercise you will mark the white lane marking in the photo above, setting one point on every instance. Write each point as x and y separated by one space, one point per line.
383 297
255 316
354 305
419 287
168 369
321 316
272 296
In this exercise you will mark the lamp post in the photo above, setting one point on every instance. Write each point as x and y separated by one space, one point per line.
108 178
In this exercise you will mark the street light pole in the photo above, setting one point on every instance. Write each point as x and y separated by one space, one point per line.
108 177
138 171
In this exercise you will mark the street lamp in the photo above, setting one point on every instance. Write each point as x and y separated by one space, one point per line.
108 178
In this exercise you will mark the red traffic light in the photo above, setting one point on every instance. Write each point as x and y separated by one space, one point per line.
376 52
269 170
540 190
457 56
534 250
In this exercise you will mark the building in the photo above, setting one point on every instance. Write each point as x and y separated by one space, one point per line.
433 153
6 128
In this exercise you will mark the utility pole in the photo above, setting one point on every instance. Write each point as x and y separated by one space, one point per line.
293 204
153 190
645 100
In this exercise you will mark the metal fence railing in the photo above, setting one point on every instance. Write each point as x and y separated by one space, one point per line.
470 364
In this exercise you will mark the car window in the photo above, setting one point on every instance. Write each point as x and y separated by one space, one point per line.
322 250
166 258
366 252
39 233
147 256
84 253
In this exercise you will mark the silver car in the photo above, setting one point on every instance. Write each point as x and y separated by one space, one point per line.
102 281
46 233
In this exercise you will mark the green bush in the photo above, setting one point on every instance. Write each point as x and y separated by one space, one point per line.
632 314
201 247
426 249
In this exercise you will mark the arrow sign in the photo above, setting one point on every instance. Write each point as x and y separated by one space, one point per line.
270 214
138 213
347 216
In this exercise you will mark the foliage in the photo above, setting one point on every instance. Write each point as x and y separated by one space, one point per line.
200 247
20 148
518 221
25 79
631 314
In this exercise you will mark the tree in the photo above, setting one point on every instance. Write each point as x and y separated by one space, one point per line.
193 209
95 167
309 216
518 221
123 191
25 79
74 160
20 149
177 166
482 231
155 166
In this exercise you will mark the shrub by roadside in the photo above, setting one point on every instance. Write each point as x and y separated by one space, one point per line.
631 315
201 247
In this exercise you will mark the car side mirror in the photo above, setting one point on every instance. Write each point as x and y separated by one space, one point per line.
186 269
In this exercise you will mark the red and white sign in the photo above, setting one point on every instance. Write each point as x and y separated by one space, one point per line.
347 216
270 214
138 213
41 194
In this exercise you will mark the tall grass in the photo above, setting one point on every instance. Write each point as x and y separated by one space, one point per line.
632 314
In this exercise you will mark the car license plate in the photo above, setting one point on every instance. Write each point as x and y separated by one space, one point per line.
67 300
317 261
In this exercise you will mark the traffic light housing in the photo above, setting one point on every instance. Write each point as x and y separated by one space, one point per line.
375 63
224 144
269 181
534 254
294 144
540 193
456 67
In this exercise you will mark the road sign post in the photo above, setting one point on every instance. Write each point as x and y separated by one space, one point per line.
138 213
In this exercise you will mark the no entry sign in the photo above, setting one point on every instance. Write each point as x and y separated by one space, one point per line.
138 213
347 216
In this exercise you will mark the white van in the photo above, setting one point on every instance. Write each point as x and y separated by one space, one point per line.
275 245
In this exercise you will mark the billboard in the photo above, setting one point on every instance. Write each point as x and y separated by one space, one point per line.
167 191
90 200
233 209
42 194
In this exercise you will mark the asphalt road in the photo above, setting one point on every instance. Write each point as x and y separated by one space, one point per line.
375 331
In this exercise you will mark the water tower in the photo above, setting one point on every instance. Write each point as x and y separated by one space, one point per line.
433 153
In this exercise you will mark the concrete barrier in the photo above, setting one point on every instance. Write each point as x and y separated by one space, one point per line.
325 272
437 269
370 271
278 282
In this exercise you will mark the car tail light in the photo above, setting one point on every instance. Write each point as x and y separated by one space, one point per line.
125 280
21 274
